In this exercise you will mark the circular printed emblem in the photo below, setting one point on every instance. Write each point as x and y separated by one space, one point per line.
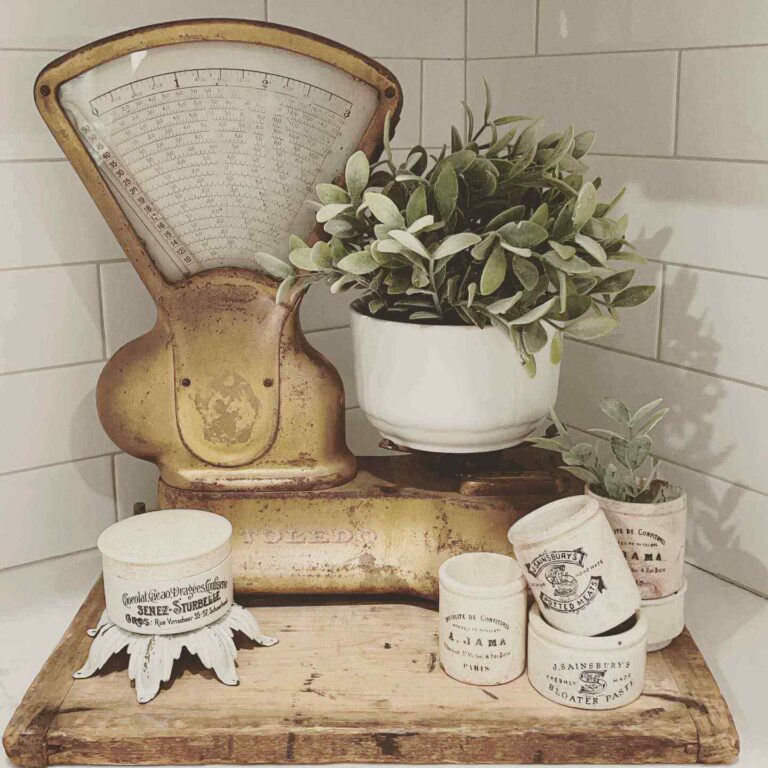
560 572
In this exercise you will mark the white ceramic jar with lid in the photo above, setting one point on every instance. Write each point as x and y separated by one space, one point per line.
167 571
665 617
574 566
604 672
483 605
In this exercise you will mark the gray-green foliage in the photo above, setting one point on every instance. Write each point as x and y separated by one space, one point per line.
501 229
617 477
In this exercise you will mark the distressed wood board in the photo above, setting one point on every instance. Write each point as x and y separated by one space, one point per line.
354 681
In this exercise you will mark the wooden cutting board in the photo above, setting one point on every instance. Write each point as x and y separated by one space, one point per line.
354 681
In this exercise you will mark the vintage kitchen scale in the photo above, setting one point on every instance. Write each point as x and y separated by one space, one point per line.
201 143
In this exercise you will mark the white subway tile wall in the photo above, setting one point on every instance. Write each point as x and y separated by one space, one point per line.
675 93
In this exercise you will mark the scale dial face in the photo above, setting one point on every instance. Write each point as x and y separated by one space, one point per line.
213 149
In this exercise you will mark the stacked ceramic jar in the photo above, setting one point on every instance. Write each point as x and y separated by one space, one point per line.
586 634
652 537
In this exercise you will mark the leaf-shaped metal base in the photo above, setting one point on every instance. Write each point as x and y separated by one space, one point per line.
151 657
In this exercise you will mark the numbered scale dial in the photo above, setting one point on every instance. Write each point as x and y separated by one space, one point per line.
213 150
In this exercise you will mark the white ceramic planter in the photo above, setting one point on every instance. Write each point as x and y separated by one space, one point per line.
574 567
450 389
586 672
652 537
168 571
665 617
483 605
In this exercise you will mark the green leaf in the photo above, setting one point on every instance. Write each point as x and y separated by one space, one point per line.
541 215
461 160
534 338
411 242
328 212
484 247
590 327
384 209
633 296
613 483
588 477
502 306
592 247
284 290
644 412
556 349
375 305
455 243
417 205
535 314
272 265
423 315
573 266
582 143
525 272
615 283
302 259
523 234
488 102
614 409
321 256
358 263
563 251
356 174
328 194
421 224
652 422
586 202
295 242
494 272
446 191
515 213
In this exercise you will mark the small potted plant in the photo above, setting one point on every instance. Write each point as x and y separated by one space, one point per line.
473 266
647 515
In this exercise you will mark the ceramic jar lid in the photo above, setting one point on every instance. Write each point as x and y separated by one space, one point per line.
167 544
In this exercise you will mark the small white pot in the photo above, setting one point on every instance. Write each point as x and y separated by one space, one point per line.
483 604
168 571
448 388
652 537
574 567
665 617
586 672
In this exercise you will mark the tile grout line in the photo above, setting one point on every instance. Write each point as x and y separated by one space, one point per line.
63 265
624 51
48 559
421 101
536 22
266 10
52 367
113 468
728 580
699 268
676 135
663 460
662 293
58 464
692 158
678 366
103 317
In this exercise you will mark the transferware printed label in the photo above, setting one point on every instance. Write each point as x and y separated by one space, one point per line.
168 607
566 583
592 683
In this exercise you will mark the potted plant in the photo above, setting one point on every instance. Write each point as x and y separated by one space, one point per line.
473 266
647 515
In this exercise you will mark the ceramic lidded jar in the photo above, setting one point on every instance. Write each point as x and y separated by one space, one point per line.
587 672
168 571
652 537
574 567
483 605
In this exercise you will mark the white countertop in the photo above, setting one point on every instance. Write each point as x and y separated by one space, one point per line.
729 624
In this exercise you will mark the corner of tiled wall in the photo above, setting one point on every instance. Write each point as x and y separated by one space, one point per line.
682 121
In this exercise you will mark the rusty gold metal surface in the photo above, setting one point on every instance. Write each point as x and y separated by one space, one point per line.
386 531
224 393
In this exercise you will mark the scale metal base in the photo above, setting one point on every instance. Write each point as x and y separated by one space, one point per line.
388 530
354 682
